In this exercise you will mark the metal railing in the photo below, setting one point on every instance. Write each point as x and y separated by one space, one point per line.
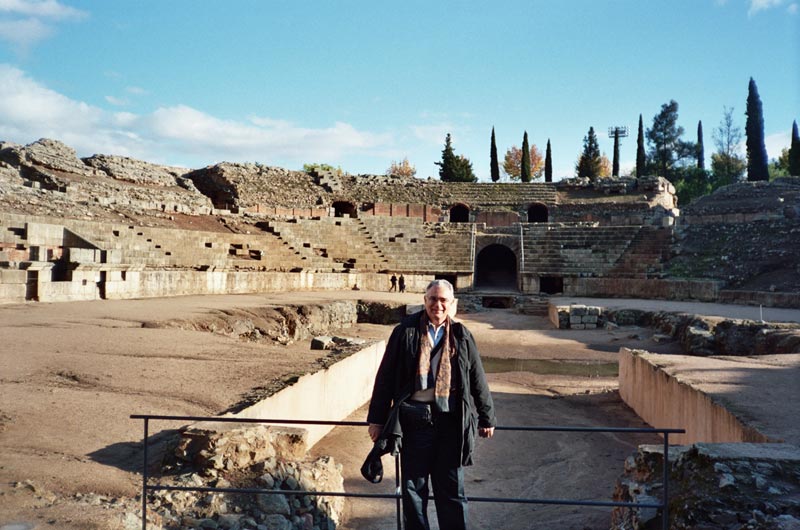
663 505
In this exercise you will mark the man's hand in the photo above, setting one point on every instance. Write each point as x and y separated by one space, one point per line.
486 432
374 431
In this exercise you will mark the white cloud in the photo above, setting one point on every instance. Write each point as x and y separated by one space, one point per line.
24 33
775 143
792 9
40 8
177 135
119 102
23 23
135 90
762 5
433 134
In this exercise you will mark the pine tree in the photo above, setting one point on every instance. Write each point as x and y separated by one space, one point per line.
641 159
548 162
494 164
794 152
448 164
525 170
757 163
589 163
454 168
615 164
701 151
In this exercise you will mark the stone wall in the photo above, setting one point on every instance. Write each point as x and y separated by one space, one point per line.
662 400
667 289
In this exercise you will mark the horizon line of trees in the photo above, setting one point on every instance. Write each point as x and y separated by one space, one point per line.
668 154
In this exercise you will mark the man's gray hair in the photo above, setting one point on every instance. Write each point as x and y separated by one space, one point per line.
441 283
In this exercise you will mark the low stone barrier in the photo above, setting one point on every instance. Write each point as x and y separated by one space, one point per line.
661 399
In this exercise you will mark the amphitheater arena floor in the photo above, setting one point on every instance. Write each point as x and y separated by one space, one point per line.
72 373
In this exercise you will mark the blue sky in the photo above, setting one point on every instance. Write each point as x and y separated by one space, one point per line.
359 84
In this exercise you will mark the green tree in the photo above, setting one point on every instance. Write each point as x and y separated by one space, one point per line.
754 130
454 168
525 169
548 163
589 163
794 152
780 167
727 165
690 183
615 164
700 149
494 165
641 158
667 150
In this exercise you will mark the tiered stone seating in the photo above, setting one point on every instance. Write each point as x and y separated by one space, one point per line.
413 246
574 249
646 255
341 243
505 193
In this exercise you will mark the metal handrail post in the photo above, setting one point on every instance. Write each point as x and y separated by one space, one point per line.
665 511
398 492
144 476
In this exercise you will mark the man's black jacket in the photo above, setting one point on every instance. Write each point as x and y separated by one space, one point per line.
398 368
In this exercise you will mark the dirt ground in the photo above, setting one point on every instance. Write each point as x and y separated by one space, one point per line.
71 374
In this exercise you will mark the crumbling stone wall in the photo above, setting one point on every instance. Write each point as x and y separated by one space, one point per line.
712 486
247 456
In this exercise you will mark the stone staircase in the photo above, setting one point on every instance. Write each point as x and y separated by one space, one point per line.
410 245
338 243
646 255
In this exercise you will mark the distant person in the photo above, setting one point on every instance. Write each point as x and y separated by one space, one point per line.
432 373
393 281
402 283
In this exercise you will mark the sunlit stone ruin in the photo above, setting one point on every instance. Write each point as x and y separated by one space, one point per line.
113 228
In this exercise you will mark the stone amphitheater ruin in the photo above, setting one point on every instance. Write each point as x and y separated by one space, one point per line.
683 318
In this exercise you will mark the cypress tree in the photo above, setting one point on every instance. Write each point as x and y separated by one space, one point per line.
615 163
757 163
525 170
494 165
641 160
548 162
794 152
701 152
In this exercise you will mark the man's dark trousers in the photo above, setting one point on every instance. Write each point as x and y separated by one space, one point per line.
431 446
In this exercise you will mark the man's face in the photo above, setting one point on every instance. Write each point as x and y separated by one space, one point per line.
438 300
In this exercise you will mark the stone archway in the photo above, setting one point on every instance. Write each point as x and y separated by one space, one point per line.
459 213
538 213
344 209
496 268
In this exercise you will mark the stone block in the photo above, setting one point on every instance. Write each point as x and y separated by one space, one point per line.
589 319
577 310
575 319
13 276
577 326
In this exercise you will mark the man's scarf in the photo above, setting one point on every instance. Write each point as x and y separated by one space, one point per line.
425 379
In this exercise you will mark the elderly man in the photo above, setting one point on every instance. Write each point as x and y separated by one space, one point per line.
432 371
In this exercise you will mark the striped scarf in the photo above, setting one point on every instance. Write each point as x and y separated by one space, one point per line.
425 379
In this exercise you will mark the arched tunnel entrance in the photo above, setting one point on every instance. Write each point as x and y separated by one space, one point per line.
459 213
496 268
344 209
537 213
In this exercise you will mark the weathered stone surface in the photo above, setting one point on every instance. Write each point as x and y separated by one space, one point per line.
713 486
137 171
